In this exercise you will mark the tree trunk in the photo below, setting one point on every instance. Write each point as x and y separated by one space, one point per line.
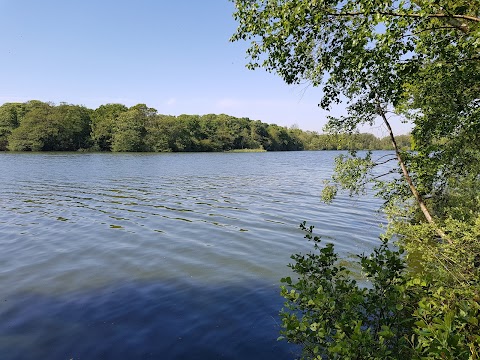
408 179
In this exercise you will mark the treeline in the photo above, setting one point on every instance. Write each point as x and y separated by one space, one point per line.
40 126
311 140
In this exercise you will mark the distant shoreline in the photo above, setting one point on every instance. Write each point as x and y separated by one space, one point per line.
39 126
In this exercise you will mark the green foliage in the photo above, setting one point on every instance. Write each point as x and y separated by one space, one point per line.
73 124
104 119
398 313
416 59
345 141
10 117
34 129
370 51
451 263
44 127
447 323
352 173
332 316
38 126
420 61
129 129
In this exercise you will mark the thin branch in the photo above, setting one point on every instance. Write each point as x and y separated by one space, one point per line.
430 29
384 162
474 58
394 14
385 174
383 156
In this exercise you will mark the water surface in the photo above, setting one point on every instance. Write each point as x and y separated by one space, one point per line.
172 256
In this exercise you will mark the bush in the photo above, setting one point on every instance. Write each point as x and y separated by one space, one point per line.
332 316
447 323
396 314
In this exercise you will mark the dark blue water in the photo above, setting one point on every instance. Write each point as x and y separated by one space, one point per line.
162 256
154 320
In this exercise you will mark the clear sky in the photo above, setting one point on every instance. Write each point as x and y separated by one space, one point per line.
174 56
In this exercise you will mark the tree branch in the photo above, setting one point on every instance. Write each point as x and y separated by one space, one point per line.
431 29
408 179
383 156
384 162
382 175
394 14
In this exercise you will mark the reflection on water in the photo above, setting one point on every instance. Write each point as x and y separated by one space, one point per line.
136 255
146 320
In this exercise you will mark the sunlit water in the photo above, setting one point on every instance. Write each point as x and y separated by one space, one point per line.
162 256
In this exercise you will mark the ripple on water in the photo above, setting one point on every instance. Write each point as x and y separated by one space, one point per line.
174 254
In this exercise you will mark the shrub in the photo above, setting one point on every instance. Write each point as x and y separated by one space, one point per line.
332 316
394 314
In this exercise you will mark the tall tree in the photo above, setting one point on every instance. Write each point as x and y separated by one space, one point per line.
104 119
73 123
35 132
129 129
46 127
10 117
367 53
419 60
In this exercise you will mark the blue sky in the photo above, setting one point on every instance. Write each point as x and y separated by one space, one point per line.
174 56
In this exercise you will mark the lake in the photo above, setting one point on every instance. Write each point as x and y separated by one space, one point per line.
161 256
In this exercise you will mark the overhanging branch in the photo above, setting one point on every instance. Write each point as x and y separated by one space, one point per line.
408 179
395 14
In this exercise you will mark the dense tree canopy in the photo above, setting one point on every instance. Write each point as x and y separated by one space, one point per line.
43 126
10 116
39 126
369 49
103 120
